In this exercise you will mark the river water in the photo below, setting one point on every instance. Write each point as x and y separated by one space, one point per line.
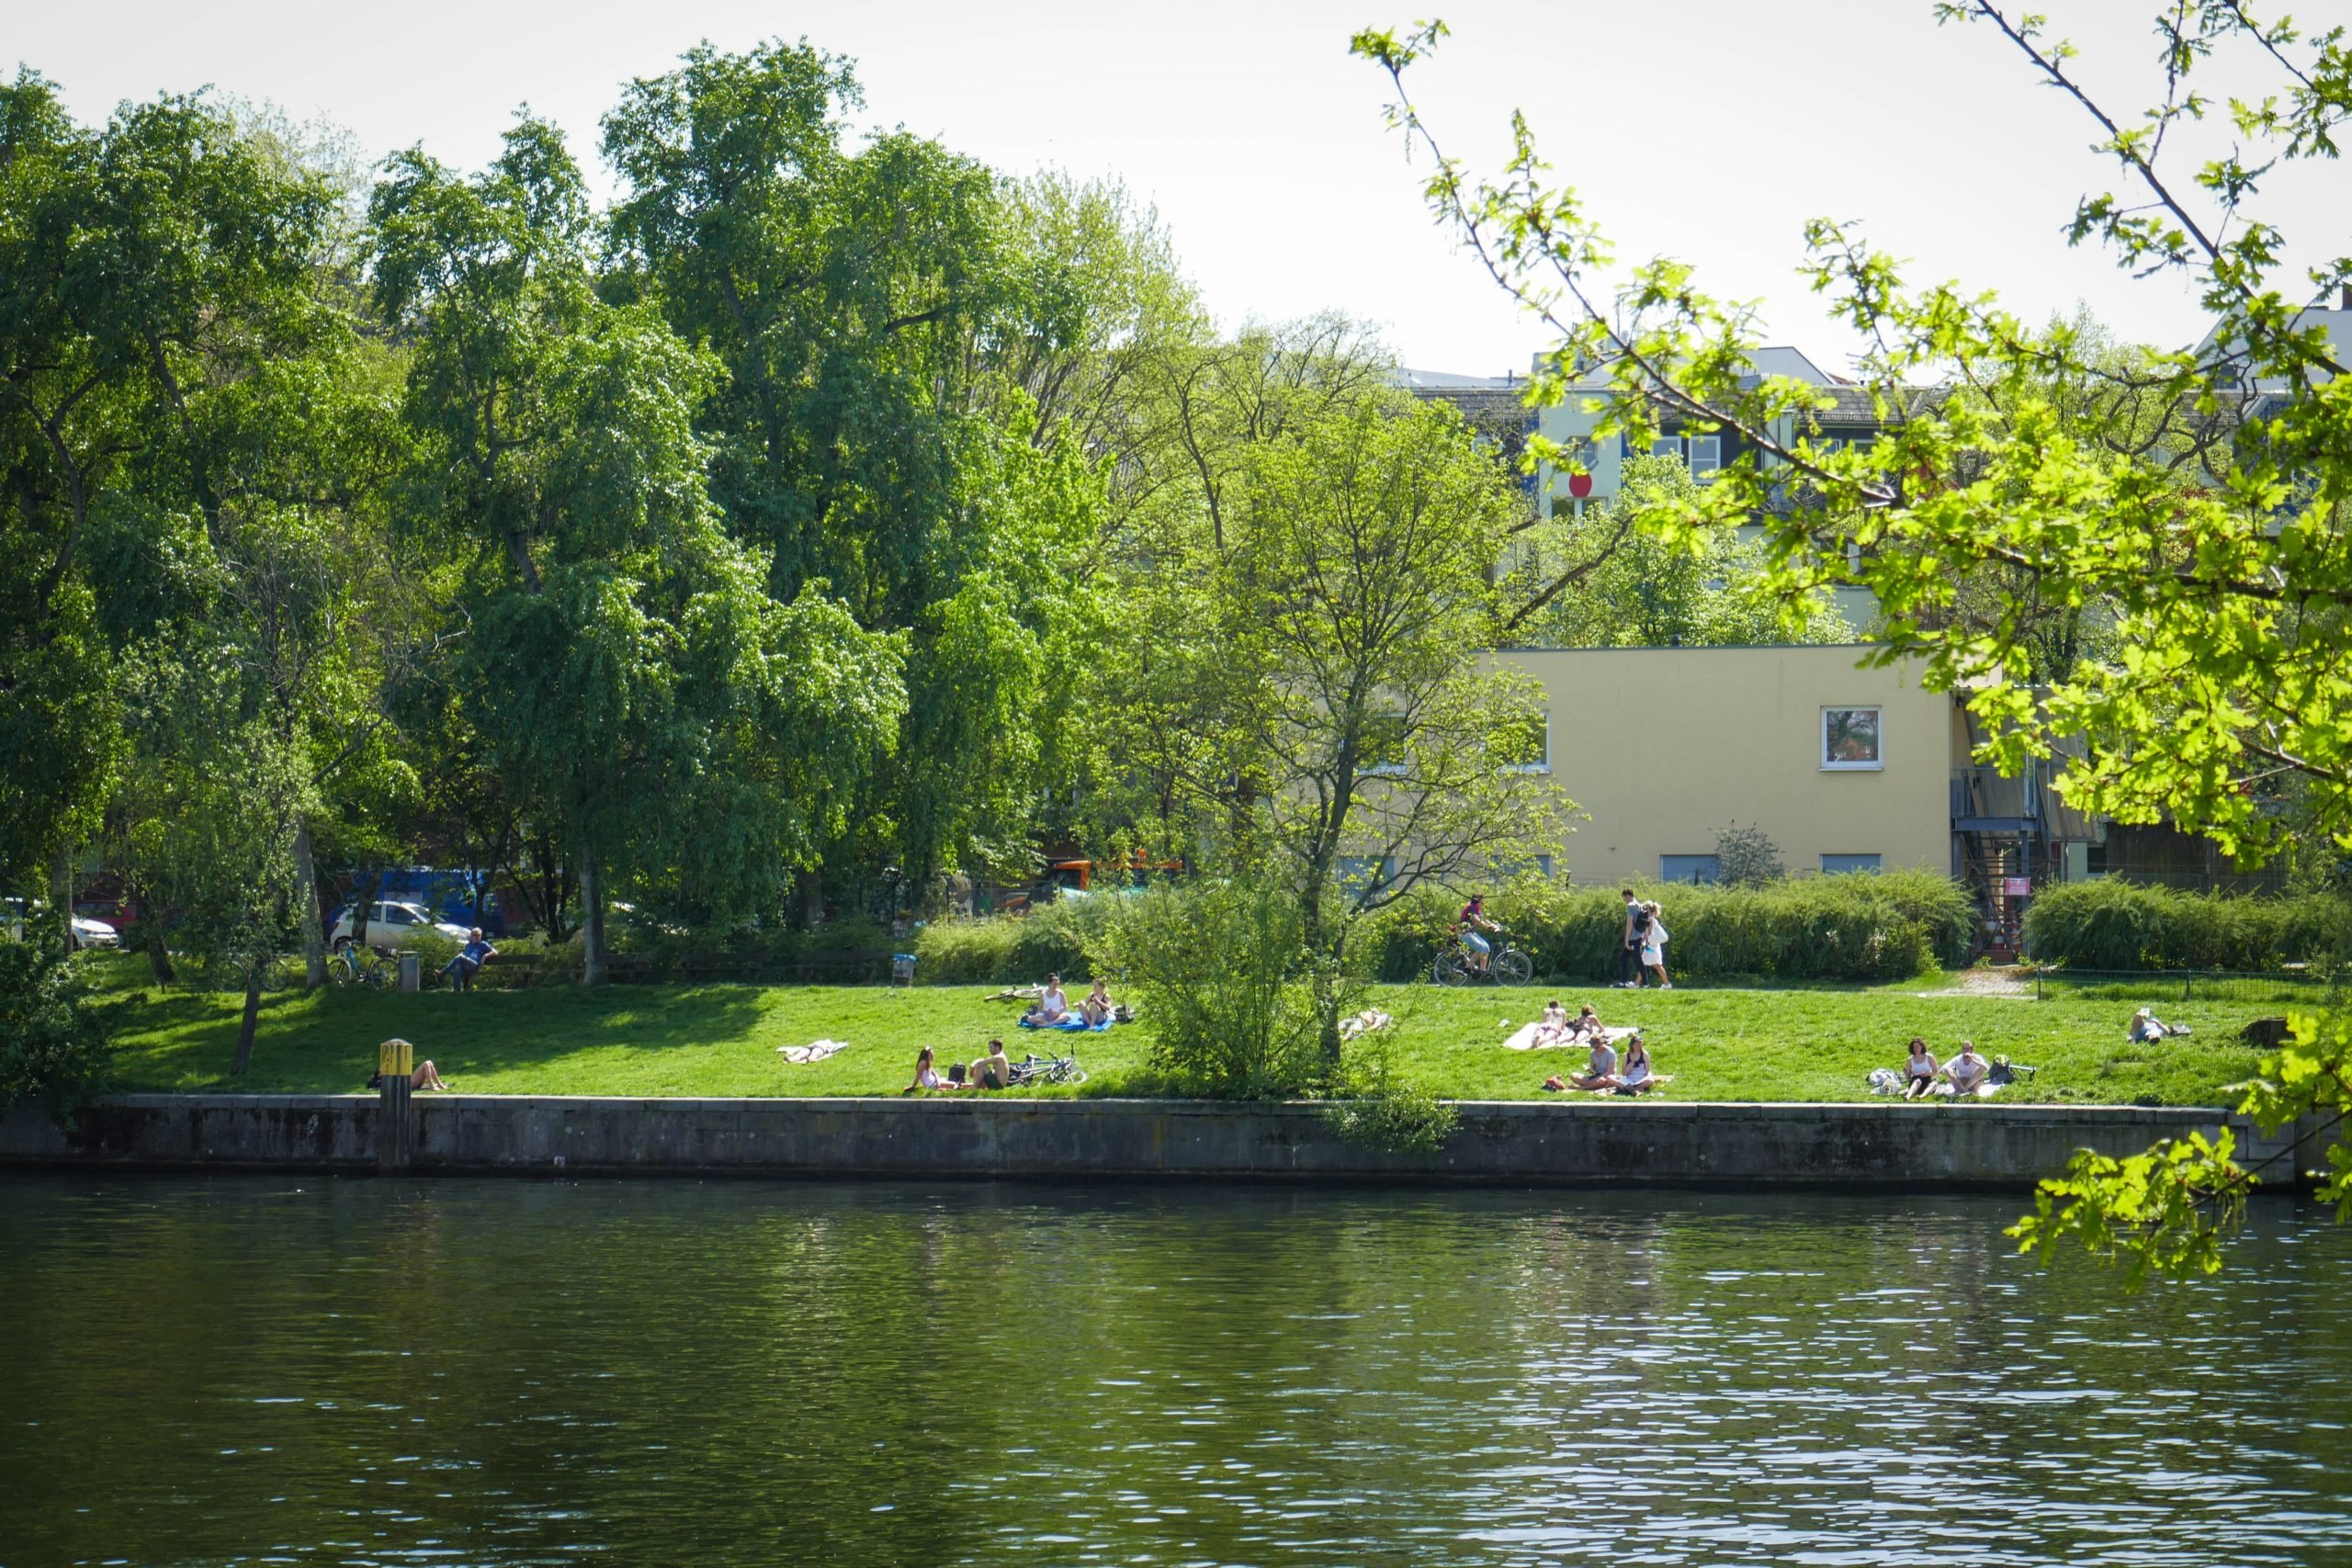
298 1371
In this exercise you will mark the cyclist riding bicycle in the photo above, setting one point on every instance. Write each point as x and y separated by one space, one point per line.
1477 951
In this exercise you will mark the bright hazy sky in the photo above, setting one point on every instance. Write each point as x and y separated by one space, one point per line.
1704 129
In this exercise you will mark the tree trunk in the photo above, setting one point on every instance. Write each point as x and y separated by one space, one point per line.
591 921
61 893
246 1030
150 937
809 898
306 909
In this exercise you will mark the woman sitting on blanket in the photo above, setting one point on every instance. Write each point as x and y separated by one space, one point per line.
1634 1076
1919 1071
1096 1007
1052 1005
927 1075
1587 1025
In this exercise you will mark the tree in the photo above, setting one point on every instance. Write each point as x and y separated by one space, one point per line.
1320 711
1746 856
155 269
622 657
2224 557
910 380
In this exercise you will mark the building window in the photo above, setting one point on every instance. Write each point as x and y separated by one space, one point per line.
1524 743
1384 744
1707 455
1667 446
1697 870
1850 739
1836 865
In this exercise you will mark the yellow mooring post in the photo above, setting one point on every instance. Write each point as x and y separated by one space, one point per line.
395 1060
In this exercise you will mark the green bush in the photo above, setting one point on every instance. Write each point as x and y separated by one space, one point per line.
1882 926
2110 924
1007 949
52 1044
1220 970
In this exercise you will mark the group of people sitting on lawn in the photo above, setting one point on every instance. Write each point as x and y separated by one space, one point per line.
1606 1072
1094 1011
1962 1077
991 1071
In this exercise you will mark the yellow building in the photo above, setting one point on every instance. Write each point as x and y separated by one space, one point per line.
1845 768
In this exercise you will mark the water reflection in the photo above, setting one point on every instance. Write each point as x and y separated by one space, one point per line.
242 1370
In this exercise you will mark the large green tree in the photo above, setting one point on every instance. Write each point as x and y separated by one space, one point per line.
1299 689
2226 564
926 380
157 272
622 655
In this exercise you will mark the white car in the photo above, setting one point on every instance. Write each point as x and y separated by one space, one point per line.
397 925
88 932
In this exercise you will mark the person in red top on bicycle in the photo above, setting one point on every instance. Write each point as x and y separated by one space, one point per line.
1477 951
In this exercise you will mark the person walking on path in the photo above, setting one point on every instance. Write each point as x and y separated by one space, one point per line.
1629 949
1654 947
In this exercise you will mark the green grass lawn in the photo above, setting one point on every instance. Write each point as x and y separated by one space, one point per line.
1718 1045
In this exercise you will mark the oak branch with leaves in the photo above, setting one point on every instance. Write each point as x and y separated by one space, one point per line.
2210 535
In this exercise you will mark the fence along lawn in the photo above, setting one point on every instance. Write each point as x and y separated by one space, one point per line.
722 1040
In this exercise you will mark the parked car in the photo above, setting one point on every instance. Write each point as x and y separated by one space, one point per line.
395 925
446 895
88 932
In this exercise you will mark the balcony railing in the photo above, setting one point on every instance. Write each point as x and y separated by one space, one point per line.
1983 795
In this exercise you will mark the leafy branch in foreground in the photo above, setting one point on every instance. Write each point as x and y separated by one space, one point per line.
2195 508
2165 1211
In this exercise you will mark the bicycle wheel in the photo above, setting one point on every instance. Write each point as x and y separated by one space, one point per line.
1513 967
1074 1074
1450 970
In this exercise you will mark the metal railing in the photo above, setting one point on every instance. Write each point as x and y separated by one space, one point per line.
2292 987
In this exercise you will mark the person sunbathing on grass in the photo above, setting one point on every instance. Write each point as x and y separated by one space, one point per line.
927 1075
1052 1005
1552 1029
1587 1025
1919 1071
1967 1071
991 1071
1634 1076
1602 1070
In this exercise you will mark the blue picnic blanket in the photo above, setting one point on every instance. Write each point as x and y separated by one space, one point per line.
1073 1024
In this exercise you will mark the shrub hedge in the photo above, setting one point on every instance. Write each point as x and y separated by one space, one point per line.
1886 926
2109 924
1012 948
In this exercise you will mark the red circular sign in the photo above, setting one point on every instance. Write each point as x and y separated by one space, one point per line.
1580 485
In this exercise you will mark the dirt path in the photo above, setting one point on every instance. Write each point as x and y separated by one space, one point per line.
2014 981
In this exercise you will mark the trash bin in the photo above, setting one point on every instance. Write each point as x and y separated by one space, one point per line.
902 968
412 972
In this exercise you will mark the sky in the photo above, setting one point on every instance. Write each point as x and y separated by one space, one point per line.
1705 129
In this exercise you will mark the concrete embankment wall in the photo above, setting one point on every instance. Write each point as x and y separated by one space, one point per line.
1584 1140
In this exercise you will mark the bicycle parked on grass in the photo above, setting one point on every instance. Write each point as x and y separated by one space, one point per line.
1036 1069
355 965
1506 965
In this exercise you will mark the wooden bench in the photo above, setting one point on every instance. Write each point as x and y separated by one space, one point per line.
521 971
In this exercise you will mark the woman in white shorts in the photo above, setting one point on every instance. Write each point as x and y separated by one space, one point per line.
1654 948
